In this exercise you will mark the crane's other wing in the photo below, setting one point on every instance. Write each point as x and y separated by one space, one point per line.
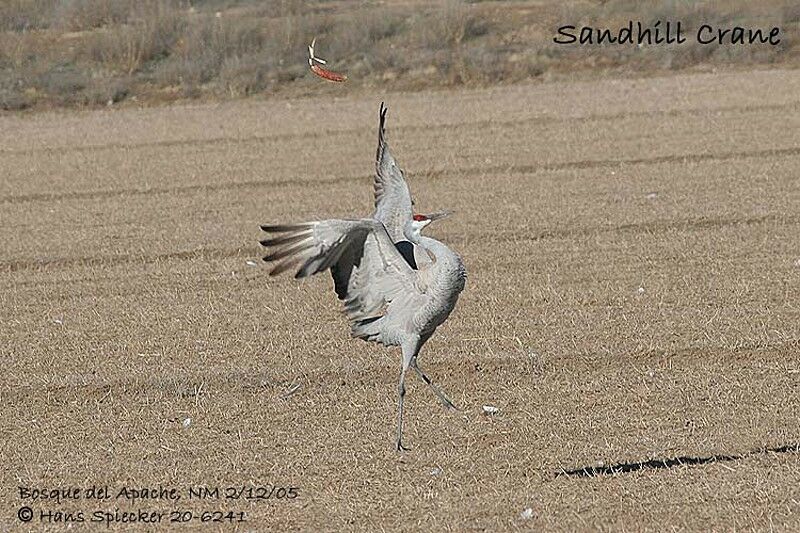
369 273
393 204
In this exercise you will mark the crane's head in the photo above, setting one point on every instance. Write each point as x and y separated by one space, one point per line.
419 222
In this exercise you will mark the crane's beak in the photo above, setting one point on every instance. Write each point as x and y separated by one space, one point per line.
439 215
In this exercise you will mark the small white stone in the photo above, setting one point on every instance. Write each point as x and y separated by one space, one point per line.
251 263
294 388
490 409
652 195
527 514
435 471
187 422
640 290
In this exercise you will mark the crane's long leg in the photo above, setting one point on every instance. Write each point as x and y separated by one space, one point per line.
439 394
401 392
410 350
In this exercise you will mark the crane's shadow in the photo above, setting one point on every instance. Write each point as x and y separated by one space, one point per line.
672 462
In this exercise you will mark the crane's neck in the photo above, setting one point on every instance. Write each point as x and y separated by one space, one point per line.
438 249
446 269
412 233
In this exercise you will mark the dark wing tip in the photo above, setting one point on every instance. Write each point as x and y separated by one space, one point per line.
276 228
382 123
281 228
381 132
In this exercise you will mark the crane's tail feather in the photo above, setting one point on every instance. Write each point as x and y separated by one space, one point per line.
368 329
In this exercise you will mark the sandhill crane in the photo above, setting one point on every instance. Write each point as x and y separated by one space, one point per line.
397 285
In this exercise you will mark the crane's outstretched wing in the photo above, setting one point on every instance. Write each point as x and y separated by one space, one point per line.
393 204
379 289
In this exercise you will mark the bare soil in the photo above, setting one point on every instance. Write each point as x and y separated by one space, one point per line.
632 309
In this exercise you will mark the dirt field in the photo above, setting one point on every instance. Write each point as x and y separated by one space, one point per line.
632 309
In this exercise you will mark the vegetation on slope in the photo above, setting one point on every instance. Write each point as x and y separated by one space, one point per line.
95 52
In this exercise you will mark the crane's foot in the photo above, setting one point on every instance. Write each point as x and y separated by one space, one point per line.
449 405
400 448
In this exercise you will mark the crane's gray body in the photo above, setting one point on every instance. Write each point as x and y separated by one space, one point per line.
386 300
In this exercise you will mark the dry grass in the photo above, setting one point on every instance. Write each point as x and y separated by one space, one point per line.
129 306
90 52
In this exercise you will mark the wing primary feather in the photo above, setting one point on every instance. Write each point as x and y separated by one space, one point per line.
290 250
286 239
323 260
332 258
285 265
283 228
381 136
393 203
311 266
